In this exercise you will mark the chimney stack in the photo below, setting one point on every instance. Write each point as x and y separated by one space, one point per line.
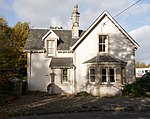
75 22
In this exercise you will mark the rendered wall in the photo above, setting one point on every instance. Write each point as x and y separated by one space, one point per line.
119 46
38 72
60 87
40 75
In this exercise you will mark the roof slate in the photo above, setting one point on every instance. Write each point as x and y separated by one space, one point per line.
62 63
34 40
104 58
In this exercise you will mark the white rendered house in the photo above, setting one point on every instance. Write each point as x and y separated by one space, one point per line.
99 60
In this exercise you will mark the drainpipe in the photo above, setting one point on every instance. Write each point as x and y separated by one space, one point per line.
30 67
74 78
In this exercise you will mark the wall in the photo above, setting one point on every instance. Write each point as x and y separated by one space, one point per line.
119 46
64 88
38 72
41 75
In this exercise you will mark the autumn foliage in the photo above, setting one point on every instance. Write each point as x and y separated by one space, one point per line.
12 57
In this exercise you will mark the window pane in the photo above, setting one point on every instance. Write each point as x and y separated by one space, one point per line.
103 47
112 75
103 75
51 51
64 71
112 79
65 79
92 71
100 48
104 38
103 78
102 43
65 75
51 47
111 71
92 75
100 39
92 78
103 71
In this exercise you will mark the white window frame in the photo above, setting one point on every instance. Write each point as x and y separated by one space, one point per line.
105 44
108 75
65 82
93 75
51 48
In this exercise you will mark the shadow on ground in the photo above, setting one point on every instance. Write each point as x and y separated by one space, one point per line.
37 103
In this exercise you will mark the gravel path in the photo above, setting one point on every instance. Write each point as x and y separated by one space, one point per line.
42 104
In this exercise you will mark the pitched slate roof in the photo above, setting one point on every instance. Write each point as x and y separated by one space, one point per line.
66 40
35 42
62 63
105 58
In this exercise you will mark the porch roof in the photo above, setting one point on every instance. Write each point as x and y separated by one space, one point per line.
58 63
105 58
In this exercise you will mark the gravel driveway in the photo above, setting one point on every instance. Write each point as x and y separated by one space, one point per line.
37 103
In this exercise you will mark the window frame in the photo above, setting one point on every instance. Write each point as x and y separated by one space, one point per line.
67 75
108 79
103 44
51 48
93 75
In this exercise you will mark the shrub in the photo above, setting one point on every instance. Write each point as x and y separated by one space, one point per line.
83 93
133 90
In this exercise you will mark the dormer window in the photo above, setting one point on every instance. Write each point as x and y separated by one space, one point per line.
51 47
103 43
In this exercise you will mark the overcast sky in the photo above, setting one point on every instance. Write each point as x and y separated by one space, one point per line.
46 13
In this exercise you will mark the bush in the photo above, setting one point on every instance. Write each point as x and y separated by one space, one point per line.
133 90
83 93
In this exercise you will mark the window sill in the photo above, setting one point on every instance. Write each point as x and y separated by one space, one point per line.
111 83
103 53
65 84
49 55
92 83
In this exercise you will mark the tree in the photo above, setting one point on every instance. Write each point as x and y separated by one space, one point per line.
140 64
5 51
6 44
20 32
12 41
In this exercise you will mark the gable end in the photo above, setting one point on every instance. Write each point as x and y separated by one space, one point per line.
96 22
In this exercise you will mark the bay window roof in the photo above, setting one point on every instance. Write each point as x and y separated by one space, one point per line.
105 58
62 63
